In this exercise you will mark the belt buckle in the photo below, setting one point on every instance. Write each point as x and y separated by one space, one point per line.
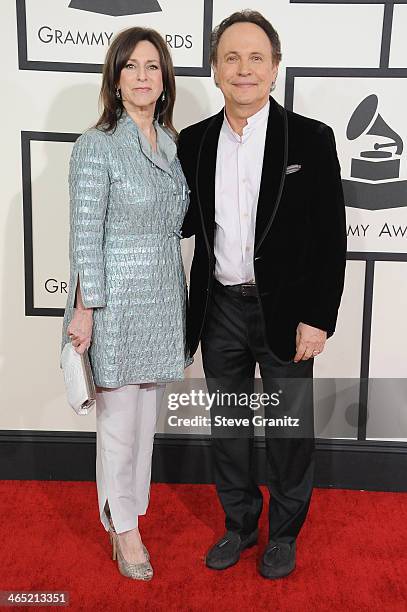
249 290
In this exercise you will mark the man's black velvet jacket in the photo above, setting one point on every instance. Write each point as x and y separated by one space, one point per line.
300 237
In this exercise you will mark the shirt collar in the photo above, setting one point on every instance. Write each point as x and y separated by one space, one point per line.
253 122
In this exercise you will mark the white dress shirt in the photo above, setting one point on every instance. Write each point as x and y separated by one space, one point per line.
239 164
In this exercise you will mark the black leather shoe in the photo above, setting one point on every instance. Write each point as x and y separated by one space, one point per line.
226 552
278 560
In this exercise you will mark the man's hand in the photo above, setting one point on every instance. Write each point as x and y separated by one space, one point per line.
310 342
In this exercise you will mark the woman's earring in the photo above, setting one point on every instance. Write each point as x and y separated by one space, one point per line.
118 94
163 96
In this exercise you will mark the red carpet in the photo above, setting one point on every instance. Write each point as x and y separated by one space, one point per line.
352 552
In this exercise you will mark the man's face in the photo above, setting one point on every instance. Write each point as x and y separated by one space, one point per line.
244 68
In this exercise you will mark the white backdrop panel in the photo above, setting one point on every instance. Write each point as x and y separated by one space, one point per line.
389 321
318 34
50 206
58 33
334 100
32 395
398 51
387 412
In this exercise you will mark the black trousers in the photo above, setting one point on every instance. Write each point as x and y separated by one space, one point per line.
233 341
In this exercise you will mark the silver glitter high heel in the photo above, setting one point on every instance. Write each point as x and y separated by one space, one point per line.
137 571
112 531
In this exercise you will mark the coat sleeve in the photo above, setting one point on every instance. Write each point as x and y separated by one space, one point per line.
89 192
186 158
326 264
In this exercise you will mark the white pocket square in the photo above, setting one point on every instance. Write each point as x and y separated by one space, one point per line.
293 168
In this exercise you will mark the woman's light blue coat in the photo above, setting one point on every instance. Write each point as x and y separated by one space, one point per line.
127 205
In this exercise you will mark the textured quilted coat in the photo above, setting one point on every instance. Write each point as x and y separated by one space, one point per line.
127 205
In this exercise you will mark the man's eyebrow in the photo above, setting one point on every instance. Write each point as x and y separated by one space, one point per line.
251 52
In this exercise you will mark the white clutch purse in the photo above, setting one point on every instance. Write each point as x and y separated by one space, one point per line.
79 383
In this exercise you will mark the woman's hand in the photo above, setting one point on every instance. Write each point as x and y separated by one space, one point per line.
80 329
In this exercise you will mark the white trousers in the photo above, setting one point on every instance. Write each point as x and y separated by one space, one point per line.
126 419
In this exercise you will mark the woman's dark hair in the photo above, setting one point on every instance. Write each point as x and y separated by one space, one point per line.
246 16
116 58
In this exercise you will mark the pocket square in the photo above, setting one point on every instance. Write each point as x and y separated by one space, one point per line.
293 168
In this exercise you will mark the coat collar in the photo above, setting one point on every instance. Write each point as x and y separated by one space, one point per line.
272 178
205 176
166 147
273 172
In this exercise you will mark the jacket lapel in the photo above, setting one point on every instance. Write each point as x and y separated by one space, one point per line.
205 176
273 173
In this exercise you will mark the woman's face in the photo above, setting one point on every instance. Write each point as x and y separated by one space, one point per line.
141 81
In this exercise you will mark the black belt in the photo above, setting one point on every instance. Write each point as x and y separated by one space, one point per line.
244 289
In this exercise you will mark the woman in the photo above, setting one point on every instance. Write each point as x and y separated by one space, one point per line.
128 201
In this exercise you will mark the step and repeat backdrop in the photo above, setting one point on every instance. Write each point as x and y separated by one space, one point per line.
344 63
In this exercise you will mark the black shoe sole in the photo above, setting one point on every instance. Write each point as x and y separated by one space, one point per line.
251 541
267 572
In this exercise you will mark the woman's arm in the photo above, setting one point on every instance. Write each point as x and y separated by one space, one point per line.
184 156
89 185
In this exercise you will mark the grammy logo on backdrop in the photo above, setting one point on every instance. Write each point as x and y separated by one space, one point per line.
377 169
118 7
375 164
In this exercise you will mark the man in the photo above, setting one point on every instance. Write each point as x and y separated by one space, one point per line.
268 216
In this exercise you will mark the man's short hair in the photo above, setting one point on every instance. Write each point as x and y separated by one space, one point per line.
246 16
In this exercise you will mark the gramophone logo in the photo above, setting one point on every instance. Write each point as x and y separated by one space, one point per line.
375 182
117 8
